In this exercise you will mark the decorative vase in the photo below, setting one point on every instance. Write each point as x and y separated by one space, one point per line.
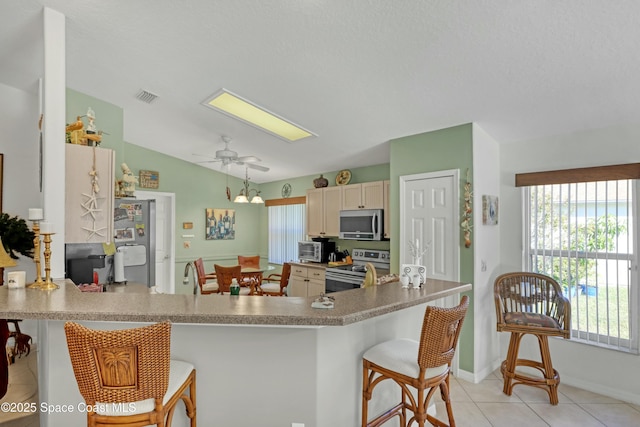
320 182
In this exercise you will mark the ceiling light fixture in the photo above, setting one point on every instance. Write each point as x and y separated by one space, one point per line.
250 113
243 197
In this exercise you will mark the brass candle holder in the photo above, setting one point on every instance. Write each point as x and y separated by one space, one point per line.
48 284
36 256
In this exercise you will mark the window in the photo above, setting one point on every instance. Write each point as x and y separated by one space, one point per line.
584 234
286 228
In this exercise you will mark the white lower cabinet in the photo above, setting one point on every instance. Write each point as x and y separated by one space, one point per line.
306 281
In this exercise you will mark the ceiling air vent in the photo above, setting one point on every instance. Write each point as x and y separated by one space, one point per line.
146 96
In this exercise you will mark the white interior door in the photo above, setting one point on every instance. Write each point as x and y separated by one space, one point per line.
429 213
165 237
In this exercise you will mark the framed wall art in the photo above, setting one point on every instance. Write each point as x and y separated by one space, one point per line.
220 224
489 210
149 179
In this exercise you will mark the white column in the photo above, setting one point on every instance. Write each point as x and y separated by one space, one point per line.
54 133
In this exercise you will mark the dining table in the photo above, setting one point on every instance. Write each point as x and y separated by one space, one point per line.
250 276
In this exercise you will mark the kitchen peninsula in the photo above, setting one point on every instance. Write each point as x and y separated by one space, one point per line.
259 360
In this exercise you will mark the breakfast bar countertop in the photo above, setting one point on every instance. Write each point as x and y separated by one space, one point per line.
68 303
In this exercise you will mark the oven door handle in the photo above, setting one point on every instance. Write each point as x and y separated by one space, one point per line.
352 280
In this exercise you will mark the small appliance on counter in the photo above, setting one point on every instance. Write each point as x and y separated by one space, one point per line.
317 250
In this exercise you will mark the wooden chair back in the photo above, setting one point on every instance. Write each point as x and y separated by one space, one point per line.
249 261
225 275
200 272
286 274
120 366
523 294
440 332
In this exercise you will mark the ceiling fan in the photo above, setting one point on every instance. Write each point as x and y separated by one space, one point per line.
228 157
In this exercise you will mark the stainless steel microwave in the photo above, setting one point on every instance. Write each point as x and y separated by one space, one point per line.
361 224
312 251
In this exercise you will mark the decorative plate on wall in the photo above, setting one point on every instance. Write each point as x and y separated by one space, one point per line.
286 190
343 177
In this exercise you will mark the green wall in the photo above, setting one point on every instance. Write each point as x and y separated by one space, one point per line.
109 118
444 149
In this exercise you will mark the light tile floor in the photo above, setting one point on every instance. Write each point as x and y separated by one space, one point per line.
23 389
484 405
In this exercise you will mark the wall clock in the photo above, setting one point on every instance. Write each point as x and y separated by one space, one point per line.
286 190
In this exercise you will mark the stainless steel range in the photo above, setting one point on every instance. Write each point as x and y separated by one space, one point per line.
351 276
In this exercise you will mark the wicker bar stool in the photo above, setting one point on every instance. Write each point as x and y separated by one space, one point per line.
423 366
531 303
127 378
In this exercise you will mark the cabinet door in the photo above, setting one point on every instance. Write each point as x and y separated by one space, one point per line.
89 217
352 197
315 288
387 210
297 287
373 195
317 274
315 212
332 206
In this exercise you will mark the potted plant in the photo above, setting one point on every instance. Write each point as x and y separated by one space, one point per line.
17 238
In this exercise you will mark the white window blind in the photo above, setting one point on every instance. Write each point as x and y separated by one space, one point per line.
286 228
584 235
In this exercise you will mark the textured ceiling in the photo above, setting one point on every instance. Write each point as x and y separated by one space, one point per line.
358 73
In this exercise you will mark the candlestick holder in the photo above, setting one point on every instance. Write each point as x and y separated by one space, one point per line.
36 256
48 284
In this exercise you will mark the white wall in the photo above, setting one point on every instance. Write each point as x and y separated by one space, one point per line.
604 371
486 181
19 144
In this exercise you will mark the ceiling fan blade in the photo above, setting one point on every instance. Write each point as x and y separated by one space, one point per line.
203 155
257 167
247 159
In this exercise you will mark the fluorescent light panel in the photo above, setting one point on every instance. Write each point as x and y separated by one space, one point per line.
239 108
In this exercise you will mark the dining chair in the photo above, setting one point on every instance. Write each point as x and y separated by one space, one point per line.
208 283
226 274
251 280
423 366
276 284
127 376
249 261
531 303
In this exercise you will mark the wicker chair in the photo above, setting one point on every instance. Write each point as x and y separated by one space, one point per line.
226 274
276 284
424 366
531 303
207 282
127 377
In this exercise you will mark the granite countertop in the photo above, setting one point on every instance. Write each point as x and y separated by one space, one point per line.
68 303
309 264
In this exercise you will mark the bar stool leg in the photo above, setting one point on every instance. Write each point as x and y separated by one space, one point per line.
508 367
551 375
